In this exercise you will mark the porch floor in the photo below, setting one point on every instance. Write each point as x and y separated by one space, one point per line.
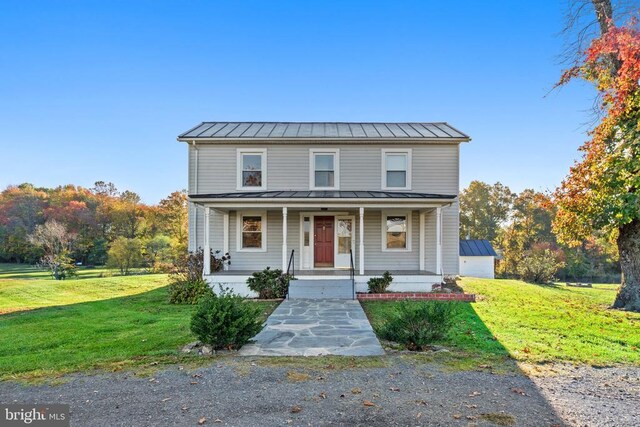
332 272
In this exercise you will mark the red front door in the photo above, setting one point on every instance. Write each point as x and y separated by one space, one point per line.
323 241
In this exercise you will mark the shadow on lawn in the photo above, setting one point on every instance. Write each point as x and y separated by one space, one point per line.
472 347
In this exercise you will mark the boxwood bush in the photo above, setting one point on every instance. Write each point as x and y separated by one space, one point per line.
269 284
379 285
416 324
225 320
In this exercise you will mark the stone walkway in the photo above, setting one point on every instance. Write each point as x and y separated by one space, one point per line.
314 327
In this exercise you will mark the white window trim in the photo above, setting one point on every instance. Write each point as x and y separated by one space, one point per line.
239 153
263 216
408 153
336 167
383 229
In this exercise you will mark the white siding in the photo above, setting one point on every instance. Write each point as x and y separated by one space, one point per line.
477 266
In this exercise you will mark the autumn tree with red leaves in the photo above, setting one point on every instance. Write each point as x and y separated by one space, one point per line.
602 190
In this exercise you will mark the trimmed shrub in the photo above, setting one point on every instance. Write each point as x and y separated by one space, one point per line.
269 284
379 285
417 324
188 291
225 321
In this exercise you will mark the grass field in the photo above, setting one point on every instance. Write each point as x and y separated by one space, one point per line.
534 323
51 327
26 271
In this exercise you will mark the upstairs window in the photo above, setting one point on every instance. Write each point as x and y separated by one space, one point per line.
252 170
396 169
324 170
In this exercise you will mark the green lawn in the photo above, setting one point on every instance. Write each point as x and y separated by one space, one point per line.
52 327
534 323
26 271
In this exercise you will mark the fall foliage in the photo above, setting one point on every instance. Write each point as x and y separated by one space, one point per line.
601 191
92 220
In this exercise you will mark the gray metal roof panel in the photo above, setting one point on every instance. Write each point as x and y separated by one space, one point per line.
309 130
476 247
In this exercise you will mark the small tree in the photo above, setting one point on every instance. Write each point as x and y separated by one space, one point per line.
158 251
55 241
125 254
540 264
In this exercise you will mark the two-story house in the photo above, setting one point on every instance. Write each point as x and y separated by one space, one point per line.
326 200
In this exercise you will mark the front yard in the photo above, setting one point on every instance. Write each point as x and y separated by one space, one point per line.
536 323
48 328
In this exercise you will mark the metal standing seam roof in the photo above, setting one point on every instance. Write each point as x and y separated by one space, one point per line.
478 247
335 194
323 130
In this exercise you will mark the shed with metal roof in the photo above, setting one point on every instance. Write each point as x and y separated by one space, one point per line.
477 258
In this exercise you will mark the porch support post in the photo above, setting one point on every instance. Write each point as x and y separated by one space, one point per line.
207 243
361 248
284 239
438 240
225 236
422 240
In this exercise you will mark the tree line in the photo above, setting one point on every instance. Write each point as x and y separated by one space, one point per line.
521 228
69 225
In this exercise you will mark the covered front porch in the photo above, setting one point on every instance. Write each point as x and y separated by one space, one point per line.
327 239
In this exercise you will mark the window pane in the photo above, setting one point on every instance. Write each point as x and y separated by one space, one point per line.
344 245
324 162
324 179
252 179
307 229
345 230
251 162
396 240
251 240
396 162
396 179
396 232
251 223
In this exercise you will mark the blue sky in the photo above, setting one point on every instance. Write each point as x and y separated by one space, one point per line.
99 90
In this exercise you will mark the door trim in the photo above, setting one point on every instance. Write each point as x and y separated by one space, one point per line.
327 218
312 215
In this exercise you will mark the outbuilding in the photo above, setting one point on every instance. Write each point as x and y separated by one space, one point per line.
477 258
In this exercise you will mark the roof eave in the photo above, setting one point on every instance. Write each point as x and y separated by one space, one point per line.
326 139
316 200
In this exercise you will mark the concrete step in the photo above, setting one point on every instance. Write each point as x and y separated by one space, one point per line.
325 288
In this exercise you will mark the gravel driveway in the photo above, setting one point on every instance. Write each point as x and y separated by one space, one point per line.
242 392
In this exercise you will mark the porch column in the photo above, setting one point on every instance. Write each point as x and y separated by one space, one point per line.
284 239
422 240
225 236
438 240
207 244
361 248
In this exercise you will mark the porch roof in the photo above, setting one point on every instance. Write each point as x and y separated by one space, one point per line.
333 195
